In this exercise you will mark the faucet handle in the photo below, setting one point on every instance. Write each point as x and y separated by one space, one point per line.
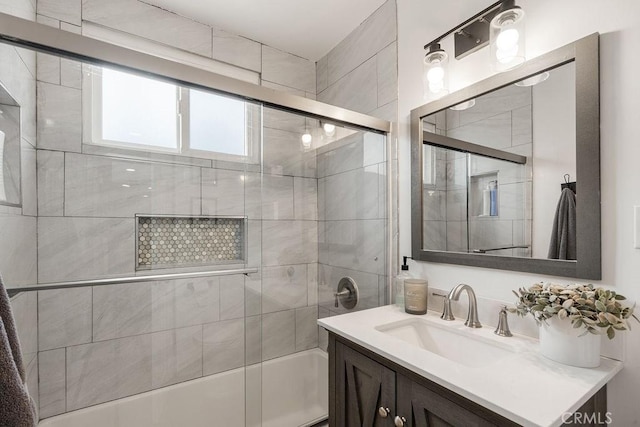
503 325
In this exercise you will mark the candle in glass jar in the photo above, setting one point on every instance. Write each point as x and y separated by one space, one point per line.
415 296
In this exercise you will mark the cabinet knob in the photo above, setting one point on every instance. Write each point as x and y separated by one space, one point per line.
383 412
399 421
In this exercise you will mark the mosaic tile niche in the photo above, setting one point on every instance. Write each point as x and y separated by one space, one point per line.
165 242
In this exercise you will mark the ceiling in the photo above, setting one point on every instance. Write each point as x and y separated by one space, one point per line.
307 28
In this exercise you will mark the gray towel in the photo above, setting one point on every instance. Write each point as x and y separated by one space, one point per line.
16 407
563 236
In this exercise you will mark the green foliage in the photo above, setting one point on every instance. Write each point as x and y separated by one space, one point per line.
595 310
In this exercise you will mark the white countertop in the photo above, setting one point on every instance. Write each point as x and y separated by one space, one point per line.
526 387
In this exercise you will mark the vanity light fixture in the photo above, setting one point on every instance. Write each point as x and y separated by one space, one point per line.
533 80
501 25
434 77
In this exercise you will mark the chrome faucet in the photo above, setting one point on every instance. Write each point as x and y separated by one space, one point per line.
472 316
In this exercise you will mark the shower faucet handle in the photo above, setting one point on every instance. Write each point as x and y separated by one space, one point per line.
344 293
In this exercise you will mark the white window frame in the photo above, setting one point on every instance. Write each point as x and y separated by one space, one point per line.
93 130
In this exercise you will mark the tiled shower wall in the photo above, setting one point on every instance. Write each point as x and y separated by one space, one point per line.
361 74
18 245
136 337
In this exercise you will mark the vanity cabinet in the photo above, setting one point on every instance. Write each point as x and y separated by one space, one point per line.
366 390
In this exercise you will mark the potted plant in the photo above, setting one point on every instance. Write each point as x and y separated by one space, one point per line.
572 318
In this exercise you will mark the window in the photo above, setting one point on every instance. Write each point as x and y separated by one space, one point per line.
142 113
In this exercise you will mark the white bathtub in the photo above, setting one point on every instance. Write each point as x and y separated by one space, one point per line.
290 391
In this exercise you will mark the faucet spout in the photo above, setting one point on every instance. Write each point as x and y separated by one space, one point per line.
472 315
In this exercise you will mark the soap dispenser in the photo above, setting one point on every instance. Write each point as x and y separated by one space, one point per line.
398 283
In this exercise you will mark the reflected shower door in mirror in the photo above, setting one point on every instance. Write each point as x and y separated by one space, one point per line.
484 204
506 172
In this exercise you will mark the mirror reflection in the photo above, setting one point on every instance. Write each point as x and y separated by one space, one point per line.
494 171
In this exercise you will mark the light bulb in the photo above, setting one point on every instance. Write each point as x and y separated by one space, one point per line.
329 128
435 74
306 139
507 39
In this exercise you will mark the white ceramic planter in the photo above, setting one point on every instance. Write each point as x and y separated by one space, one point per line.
561 342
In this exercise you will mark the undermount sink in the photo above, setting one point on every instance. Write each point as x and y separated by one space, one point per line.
449 342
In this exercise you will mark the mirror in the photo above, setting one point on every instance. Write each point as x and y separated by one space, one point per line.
496 169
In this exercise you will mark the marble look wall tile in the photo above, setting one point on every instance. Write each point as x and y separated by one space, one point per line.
378 31
522 126
312 284
254 243
122 310
357 244
253 339
106 187
434 235
237 50
48 68
63 10
253 294
131 365
356 91
323 244
59 118
70 73
387 62
494 132
150 22
457 236
284 288
231 297
305 191
176 356
25 313
289 70
64 318
387 112
23 9
184 302
223 346
52 372
383 290
283 155
84 248
353 194
490 234
328 279
18 253
456 205
434 205
29 180
278 334
306 328
277 197
512 201
222 192
148 156
289 242
50 167
322 76
355 151
283 120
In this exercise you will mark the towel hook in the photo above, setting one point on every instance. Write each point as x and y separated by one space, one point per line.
567 178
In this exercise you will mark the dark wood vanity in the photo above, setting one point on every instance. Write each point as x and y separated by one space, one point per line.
366 389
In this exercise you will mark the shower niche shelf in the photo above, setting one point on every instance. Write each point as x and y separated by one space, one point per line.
164 241
484 195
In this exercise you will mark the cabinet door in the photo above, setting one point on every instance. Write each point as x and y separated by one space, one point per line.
362 388
423 407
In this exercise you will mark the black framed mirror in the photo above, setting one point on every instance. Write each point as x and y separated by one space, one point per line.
505 173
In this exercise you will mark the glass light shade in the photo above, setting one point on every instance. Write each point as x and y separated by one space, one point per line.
306 139
435 75
534 80
507 39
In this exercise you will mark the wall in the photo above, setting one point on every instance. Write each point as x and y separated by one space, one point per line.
18 225
619 26
360 74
